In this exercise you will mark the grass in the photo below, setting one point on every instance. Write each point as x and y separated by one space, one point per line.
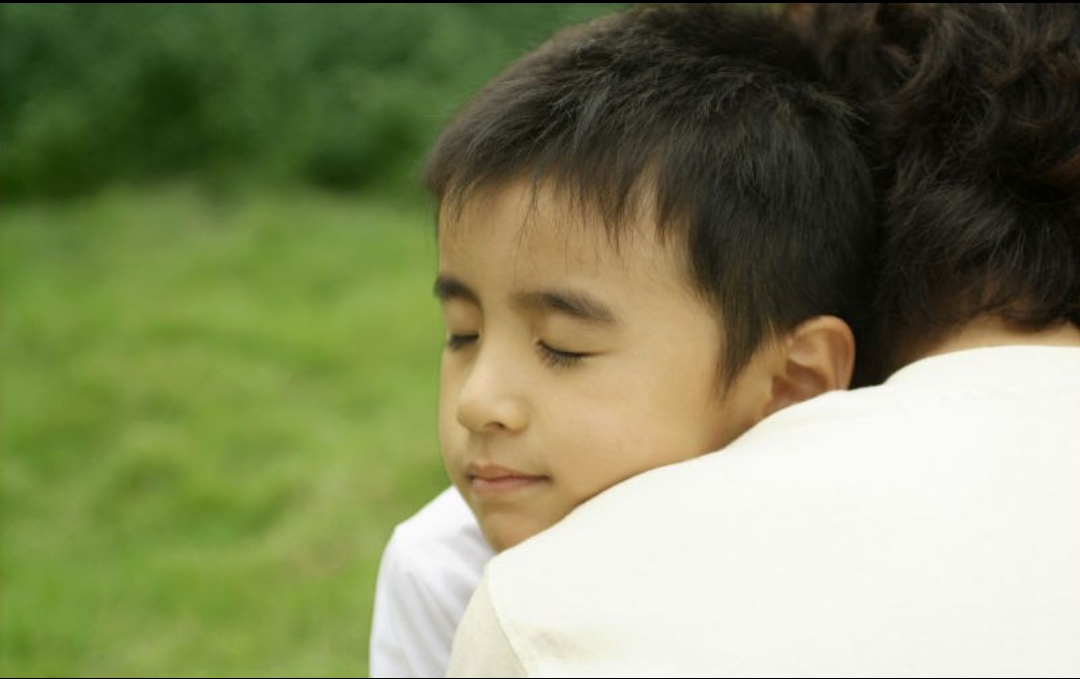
213 413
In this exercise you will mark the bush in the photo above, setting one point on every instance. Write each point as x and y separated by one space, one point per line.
343 96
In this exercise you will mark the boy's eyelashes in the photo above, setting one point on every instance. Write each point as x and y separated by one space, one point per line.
458 341
557 358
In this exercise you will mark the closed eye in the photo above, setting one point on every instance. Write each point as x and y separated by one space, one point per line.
557 358
459 341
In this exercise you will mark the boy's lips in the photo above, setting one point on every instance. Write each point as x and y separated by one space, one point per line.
493 480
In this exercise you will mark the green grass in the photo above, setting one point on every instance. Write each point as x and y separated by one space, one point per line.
211 416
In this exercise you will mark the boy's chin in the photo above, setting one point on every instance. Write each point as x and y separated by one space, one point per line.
502 537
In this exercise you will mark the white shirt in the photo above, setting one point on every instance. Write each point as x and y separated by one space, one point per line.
428 572
926 527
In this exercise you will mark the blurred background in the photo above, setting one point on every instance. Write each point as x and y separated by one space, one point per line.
218 344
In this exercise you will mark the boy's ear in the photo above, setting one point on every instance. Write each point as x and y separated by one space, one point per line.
818 356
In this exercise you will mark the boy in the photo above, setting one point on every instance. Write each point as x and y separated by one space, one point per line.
649 231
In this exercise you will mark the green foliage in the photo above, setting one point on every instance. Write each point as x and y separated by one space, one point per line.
213 415
341 96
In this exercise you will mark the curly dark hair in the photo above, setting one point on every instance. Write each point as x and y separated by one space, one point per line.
974 128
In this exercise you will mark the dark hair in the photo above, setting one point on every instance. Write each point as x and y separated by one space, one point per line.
722 120
977 116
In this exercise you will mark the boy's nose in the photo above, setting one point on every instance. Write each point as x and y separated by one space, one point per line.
488 401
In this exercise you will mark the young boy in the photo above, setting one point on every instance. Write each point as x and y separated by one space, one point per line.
649 231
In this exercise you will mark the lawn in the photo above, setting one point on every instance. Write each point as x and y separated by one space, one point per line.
212 413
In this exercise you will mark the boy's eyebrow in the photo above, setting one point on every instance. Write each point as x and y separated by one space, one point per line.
573 303
448 287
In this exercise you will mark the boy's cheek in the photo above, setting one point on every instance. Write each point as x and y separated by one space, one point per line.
452 439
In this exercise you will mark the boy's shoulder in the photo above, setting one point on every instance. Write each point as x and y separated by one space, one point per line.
427 575
443 529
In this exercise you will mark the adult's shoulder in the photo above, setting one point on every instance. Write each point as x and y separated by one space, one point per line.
824 516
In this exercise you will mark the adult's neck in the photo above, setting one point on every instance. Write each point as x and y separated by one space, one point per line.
995 332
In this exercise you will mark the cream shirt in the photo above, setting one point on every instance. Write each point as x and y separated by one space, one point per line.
926 527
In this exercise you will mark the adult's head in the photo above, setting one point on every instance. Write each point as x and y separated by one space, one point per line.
973 112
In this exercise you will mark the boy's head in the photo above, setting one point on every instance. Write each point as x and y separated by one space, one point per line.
647 229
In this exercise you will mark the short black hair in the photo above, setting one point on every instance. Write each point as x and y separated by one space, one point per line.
721 117
975 111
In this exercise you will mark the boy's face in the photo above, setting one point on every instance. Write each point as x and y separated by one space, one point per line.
569 365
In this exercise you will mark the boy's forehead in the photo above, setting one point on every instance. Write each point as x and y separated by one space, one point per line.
530 239
540 218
